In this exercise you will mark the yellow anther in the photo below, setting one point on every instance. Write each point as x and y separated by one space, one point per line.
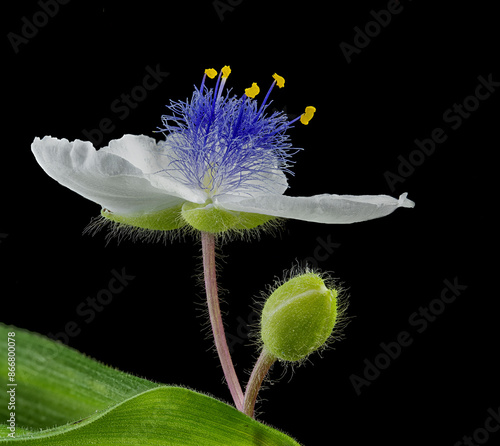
211 73
252 91
307 116
280 81
226 71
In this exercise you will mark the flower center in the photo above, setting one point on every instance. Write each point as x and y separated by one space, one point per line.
208 182
224 144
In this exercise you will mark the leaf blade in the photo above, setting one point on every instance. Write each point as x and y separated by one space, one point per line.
60 384
167 416
91 403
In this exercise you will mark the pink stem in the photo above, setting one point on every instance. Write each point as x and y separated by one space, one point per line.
208 249
259 372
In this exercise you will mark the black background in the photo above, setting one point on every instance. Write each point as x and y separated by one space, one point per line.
369 112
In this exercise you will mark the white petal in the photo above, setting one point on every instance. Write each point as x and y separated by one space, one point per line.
320 208
102 176
139 150
154 159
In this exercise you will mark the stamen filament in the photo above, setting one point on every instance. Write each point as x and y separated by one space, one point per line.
216 89
240 115
221 88
226 71
213 106
294 120
265 100
203 82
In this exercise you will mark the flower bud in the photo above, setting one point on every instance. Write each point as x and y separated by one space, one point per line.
298 317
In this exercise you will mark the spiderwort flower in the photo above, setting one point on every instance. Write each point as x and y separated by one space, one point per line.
221 167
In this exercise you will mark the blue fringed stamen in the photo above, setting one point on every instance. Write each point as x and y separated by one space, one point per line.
224 144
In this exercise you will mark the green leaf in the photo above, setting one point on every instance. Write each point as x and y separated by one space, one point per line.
95 404
4 431
57 384
168 416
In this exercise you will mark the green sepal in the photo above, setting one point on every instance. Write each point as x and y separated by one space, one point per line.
209 218
164 220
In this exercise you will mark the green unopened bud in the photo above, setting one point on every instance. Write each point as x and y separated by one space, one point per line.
299 317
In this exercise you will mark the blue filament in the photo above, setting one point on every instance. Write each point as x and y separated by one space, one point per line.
228 140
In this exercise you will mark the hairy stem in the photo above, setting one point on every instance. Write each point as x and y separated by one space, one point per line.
208 249
259 372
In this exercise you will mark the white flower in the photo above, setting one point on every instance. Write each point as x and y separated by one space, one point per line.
221 167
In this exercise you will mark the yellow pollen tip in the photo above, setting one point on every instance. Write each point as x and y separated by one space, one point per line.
280 81
211 73
226 71
308 115
252 91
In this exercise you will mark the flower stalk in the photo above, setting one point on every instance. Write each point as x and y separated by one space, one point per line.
210 275
259 372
